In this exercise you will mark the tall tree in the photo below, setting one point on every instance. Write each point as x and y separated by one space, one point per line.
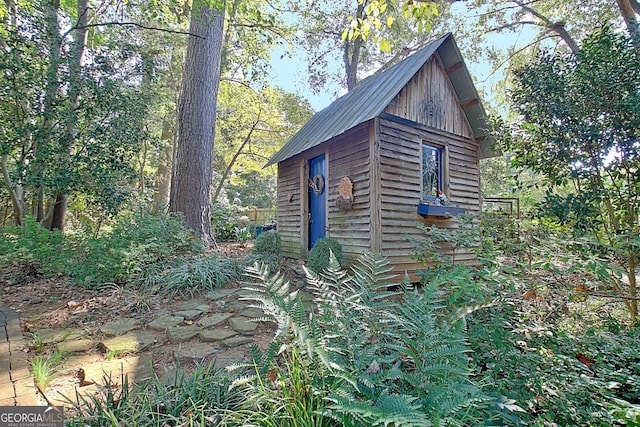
59 209
191 184
64 121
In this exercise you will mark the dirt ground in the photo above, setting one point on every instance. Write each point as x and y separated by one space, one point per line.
53 303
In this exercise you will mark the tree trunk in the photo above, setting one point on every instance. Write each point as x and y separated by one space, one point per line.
163 175
75 66
235 157
351 54
191 186
59 212
15 192
557 27
628 10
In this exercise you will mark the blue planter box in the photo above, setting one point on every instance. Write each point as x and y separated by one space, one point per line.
436 210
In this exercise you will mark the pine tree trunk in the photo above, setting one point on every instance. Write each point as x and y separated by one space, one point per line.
191 185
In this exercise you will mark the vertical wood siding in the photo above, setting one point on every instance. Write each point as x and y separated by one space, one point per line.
430 99
289 214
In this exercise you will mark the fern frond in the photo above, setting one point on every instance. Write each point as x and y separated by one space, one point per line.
387 410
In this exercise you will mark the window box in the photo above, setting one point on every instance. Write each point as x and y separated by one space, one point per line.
439 210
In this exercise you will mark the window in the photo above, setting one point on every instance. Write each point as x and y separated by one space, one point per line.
432 179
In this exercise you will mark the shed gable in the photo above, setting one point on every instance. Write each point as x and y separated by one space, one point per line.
430 99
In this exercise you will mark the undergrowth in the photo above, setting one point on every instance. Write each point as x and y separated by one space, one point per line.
134 243
377 352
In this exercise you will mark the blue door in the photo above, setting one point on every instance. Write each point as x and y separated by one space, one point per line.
317 199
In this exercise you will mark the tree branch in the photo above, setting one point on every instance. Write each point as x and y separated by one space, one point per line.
537 40
558 27
133 24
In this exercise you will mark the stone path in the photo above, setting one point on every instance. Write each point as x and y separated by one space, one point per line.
16 383
216 328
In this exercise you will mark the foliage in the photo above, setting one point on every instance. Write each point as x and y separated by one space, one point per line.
223 221
370 23
186 277
66 128
250 127
135 242
177 398
377 352
554 345
440 246
319 255
44 368
32 244
338 55
579 125
268 243
286 394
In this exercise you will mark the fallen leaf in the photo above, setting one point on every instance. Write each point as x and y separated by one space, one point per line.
81 378
584 359
529 295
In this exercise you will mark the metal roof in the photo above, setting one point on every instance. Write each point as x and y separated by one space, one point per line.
373 95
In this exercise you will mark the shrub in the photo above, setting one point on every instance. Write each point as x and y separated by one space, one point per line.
32 244
268 243
135 242
319 254
224 224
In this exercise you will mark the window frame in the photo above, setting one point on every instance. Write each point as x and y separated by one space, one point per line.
443 161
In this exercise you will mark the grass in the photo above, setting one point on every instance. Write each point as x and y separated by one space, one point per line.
43 368
200 398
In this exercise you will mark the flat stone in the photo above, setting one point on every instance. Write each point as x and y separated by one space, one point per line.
227 357
179 334
251 312
237 306
132 342
214 319
163 323
75 346
75 360
119 327
217 294
216 335
196 352
242 325
137 368
57 335
189 314
192 305
236 341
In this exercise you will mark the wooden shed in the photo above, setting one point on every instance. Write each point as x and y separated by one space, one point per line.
366 169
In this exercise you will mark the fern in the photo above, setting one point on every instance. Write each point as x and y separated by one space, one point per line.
379 351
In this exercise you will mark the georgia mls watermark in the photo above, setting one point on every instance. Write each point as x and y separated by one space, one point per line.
31 416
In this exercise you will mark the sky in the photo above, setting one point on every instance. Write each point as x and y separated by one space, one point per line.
289 72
